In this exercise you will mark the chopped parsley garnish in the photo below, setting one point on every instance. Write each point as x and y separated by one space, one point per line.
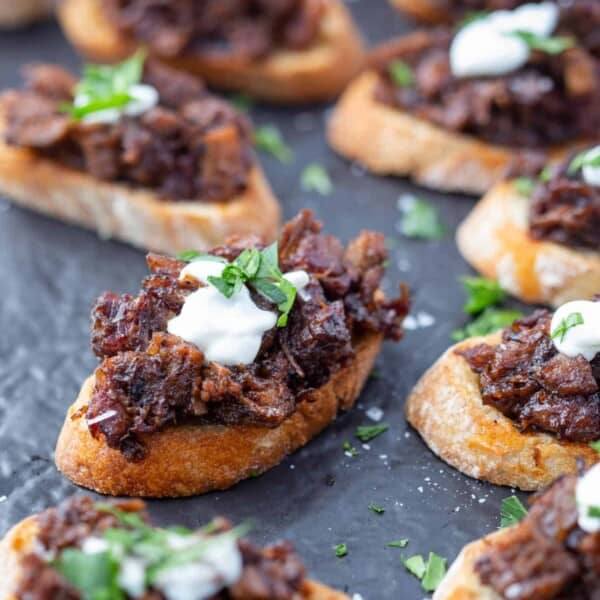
106 86
548 45
490 320
596 445
376 508
365 433
524 185
512 512
268 138
430 573
584 159
94 575
421 221
398 543
340 550
260 270
401 74
350 449
572 320
315 178
481 293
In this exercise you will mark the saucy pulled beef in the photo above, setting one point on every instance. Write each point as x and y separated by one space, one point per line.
246 29
566 210
552 99
192 146
530 382
547 556
274 573
149 379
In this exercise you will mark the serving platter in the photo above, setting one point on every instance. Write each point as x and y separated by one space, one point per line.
50 274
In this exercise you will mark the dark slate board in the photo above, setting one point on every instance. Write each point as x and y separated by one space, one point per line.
51 273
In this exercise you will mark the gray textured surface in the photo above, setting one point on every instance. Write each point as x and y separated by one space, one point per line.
51 273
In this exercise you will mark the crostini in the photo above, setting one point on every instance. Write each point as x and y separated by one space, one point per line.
552 553
454 110
19 14
201 382
290 52
517 408
540 238
83 549
138 152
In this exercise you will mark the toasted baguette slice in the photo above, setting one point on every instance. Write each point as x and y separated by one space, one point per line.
23 12
390 141
21 539
316 74
133 214
495 240
191 459
447 409
424 11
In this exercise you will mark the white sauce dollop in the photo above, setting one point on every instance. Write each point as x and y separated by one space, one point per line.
132 576
229 331
587 494
591 175
485 46
144 97
581 339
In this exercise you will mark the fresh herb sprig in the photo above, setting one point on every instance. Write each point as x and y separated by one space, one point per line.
490 320
511 512
481 293
572 320
365 433
548 45
430 573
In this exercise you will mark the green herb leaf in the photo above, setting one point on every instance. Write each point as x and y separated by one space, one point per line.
546 174
421 221
376 508
524 185
481 293
512 512
351 450
490 320
596 446
549 45
340 550
401 74
192 255
315 178
398 543
415 565
365 433
269 290
572 320
128 519
268 139
584 159
434 573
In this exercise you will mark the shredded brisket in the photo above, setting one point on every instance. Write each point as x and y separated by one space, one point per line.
547 556
529 381
246 29
566 210
149 379
192 146
272 573
552 99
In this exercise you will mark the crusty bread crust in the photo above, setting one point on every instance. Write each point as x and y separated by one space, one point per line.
186 460
495 240
389 141
20 539
447 409
312 75
23 12
133 214
424 11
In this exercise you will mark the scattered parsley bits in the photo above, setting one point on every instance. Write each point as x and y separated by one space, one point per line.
524 185
490 320
349 449
421 221
398 543
511 512
430 573
340 550
415 565
596 445
572 320
376 508
481 293
548 45
401 74
315 178
365 433
268 139
584 159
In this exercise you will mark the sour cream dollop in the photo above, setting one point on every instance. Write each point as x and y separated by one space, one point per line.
581 339
229 331
144 97
486 48
591 175
587 495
